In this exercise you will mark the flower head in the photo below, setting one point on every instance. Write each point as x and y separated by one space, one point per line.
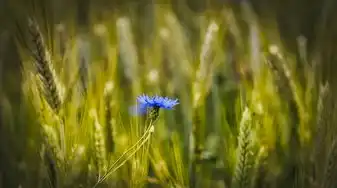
157 102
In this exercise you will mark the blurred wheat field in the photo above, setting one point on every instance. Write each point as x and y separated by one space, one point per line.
252 113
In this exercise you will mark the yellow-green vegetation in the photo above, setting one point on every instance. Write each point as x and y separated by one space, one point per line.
248 116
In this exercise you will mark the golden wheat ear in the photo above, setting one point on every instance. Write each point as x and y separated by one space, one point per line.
44 67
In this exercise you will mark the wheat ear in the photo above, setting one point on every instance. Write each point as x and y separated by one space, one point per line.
242 175
44 67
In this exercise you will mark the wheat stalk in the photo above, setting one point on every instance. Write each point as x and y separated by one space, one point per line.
206 67
44 67
127 48
51 169
109 121
330 173
259 167
51 138
280 79
51 156
242 176
99 144
323 113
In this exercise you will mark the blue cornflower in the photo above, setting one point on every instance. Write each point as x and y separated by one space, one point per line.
155 102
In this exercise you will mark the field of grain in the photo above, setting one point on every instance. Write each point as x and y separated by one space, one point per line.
249 103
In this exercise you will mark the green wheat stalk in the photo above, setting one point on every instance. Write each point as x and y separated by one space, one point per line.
128 50
109 120
280 79
259 165
55 138
200 89
330 173
320 139
207 64
52 156
51 138
50 167
127 154
99 144
242 176
83 62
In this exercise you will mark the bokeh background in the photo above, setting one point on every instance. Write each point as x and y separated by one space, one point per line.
255 80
